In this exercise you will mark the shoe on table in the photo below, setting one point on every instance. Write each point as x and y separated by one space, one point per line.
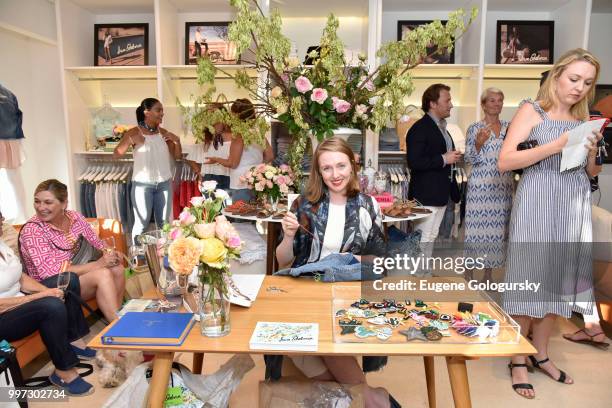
76 387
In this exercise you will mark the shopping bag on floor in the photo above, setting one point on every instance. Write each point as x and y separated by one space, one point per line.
290 393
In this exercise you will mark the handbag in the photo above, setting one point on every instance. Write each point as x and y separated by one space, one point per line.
83 251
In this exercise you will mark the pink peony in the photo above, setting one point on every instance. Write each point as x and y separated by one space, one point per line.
340 105
302 84
319 95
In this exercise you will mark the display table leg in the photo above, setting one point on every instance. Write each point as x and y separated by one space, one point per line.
430 378
162 364
457 372
198 359
271 264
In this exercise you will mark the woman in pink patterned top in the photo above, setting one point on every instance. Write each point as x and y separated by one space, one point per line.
48 240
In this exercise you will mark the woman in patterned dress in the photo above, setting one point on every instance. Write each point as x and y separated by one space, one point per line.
550 226
489 191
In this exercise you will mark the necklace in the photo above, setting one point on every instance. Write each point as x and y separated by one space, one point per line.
149 128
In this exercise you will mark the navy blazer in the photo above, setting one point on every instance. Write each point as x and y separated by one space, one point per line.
430 179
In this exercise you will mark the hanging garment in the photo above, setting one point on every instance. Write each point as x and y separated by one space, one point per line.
11 133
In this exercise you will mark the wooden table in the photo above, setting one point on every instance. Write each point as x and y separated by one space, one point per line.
304 300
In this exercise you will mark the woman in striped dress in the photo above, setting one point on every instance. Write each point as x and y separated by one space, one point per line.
489 191
550 225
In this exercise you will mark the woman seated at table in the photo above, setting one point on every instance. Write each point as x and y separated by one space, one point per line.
42 309
47 241
343 220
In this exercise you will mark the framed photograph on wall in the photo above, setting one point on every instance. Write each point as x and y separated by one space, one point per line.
121 44
404 26
525 42
209 39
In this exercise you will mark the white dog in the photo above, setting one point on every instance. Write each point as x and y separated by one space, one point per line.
116 365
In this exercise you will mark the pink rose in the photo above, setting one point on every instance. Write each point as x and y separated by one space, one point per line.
269 183
340 105
319 95
204 230
223 229
234 241
361 109
302 84
369 85
259 186
261 167
285 168
186 218
175 233
281 180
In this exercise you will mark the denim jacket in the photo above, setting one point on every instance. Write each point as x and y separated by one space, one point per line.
10 116
362 229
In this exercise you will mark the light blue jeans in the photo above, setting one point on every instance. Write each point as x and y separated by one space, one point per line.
150 199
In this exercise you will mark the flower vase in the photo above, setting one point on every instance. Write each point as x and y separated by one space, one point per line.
214 311
273 201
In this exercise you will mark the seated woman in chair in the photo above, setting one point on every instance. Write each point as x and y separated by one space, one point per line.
43 309
343 220
47 241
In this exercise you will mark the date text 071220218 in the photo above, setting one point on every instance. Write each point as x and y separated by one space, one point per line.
10 394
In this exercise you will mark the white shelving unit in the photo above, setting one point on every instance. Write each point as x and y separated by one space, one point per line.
364 26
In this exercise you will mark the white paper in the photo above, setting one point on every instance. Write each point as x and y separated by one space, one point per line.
575 151
248 285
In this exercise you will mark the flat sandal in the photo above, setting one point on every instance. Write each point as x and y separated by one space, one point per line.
602 345
562 375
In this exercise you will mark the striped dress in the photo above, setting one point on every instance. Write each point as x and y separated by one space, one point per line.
488 199
550 233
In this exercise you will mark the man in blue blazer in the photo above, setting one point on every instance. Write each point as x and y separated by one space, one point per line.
431 156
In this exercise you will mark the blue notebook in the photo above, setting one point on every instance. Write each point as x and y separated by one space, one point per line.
150 329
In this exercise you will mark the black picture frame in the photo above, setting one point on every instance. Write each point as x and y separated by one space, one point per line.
437 58
129 44
537 38
220 49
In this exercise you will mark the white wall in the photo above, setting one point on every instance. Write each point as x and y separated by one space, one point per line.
35 16
32 73
600 34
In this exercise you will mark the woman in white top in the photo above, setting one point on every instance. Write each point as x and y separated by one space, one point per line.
339 219
154 151
39 308
108 39
221 143
242 158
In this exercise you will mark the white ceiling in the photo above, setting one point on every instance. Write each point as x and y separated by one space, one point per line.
602 6
525 5
116 6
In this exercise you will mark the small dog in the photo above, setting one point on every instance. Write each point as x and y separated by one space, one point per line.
116 365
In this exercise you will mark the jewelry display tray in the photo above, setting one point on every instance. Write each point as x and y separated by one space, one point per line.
344 296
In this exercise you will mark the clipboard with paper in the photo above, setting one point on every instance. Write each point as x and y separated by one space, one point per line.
575 151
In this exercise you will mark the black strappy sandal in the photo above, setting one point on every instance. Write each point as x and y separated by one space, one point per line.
521 386
536 364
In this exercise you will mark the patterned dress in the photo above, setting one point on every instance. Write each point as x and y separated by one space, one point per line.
488 200
550 233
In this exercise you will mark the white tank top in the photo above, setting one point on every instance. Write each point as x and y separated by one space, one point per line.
218 169
252 155
152 160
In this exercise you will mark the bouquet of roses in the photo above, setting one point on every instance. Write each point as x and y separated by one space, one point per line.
203 238
270 181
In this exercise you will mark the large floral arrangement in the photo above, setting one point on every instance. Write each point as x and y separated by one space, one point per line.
320 98
201 237
269 181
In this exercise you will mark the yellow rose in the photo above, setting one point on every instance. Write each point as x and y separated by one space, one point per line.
293 62
214 253
184 254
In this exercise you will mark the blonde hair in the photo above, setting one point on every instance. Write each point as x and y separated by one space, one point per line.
316 187
547 95
490 90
